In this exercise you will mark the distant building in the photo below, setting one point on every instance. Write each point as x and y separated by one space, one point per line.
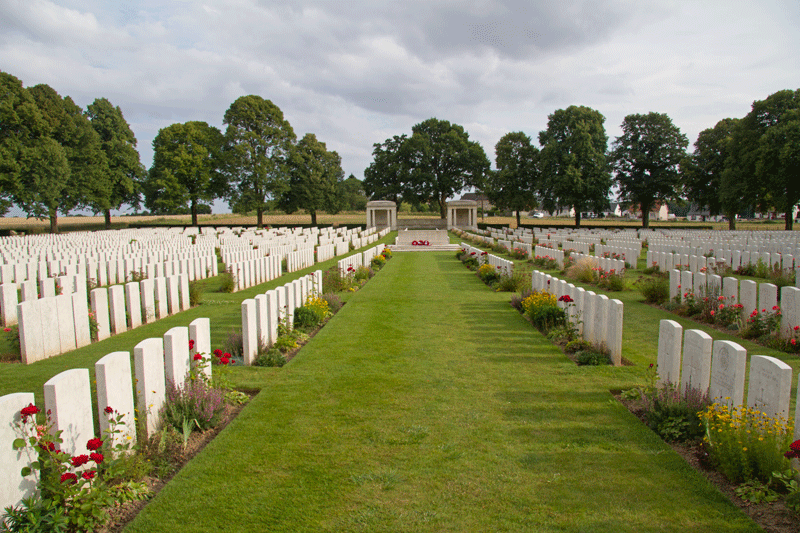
483 201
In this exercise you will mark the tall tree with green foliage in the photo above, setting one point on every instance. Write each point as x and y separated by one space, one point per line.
513 186
703 171
43 192
315 178
185 171
386 178
575 171
352 194
21 126
125 171
442 162
646 160
258 142
765 153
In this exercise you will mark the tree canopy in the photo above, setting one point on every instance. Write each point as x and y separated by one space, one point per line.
575 172
258 142
125 171
315 177
386 178
352 194
514 184
646 160
766 153
186 163
703 171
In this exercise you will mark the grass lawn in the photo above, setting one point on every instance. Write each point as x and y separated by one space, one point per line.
429 404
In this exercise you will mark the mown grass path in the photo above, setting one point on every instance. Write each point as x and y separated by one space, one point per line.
429 404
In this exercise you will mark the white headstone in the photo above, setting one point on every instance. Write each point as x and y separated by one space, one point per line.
669 352
614 328
696 366
249 331
116 307
80 313
176 355
115 390
68 397
728 363
14 487
200 333
148 357
769 386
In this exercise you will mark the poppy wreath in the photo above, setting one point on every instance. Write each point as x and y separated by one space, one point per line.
420 243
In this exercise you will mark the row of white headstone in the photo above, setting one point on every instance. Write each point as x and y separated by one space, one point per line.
68 399
759 297
504 267
668 260
115 310
262 314
597 318
718 367
544 252
348 265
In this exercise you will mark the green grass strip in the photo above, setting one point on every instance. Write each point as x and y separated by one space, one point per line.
429 404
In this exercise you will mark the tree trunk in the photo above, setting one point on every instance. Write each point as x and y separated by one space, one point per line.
53 221
645 216
577 218
442 208
518 222
789 219
194 213
731 221
260 218
107 214
313 216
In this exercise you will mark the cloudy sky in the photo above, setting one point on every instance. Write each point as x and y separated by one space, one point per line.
357 72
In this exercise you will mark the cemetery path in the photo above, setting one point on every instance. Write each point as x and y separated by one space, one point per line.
429 404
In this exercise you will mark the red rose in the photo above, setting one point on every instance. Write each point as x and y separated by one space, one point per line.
96 457
69 476
94 444
29 411
109 409
198 357
218 352
191 344
89 474
79 460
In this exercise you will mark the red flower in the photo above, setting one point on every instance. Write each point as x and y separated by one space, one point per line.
47 446
191 344
218 352
7 330
109 409
96 457
89 474
774 307
794 342
712 313
94 444
224 361
198 357
29 411
69 476
79 460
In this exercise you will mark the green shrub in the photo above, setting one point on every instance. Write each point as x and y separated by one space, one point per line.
655 290
673 414
305 317
234 344
196 289
516 282
488 273
578 345
363 273
334 302
227 282
269 357
378 262
592 357
333 281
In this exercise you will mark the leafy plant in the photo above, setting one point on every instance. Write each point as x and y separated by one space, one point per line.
655 290
228 282
194 401
196 289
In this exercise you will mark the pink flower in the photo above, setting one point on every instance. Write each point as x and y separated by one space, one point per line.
712 313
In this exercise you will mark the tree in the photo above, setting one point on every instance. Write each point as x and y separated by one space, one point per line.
646 158
703 171
442 162
48 191
575 171
21 125
352 194
766 153
258 143
513 186
186 160
387 176
125 171
315 177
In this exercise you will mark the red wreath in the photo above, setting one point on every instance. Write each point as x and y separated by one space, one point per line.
420 243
